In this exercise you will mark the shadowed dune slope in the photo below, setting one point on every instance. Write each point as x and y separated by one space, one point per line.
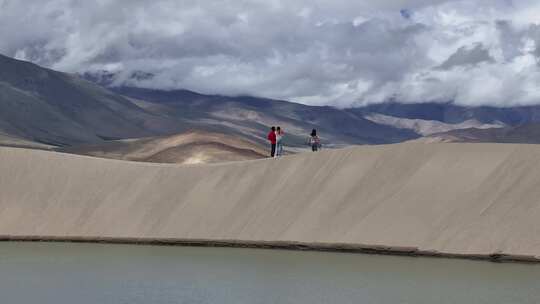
451 198
13 141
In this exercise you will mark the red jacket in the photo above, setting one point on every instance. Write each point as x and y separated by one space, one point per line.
272 137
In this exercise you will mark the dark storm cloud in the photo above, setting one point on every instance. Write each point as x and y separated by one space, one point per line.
319 52
466 56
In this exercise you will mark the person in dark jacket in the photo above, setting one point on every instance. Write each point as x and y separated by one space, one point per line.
314 141
273 140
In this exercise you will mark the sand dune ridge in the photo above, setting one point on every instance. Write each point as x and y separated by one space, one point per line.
474 199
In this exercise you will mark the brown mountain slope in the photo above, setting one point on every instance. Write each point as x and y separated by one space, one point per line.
59 109
187 148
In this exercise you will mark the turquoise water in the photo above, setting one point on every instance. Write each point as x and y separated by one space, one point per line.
94 273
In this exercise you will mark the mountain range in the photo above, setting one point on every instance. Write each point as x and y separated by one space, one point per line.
59 109
251 117
46 109
453 114
454 123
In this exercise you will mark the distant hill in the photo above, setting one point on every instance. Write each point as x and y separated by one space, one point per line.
528 133
428 127
455 114
187 148
251 117
451 123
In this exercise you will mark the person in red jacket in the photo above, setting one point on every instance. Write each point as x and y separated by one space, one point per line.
272 139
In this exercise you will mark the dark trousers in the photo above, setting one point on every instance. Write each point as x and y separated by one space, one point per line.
273 150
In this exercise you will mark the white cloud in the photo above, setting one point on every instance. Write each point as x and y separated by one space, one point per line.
340 52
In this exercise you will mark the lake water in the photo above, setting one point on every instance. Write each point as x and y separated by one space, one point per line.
93 273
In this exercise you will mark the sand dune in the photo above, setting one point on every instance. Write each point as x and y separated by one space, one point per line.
475 199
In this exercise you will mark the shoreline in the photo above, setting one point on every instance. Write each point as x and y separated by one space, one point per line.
280 245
